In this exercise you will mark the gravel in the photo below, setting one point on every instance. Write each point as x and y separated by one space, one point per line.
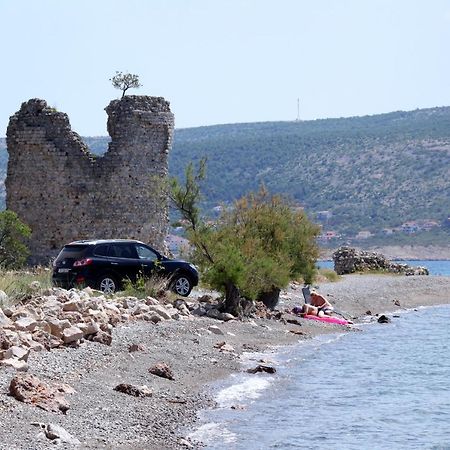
102 418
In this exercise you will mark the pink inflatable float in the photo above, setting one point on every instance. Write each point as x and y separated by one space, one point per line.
328 319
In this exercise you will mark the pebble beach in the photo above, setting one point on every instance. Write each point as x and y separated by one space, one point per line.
198 350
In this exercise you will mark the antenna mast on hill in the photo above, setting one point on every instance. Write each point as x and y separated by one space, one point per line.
298 110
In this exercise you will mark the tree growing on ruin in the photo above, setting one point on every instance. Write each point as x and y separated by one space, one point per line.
253 250
13 234
125 81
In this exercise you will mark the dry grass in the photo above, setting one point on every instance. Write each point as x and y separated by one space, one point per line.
327 275
154 286
18 284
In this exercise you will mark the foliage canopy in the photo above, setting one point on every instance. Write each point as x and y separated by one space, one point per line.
13 232
125 81
254 248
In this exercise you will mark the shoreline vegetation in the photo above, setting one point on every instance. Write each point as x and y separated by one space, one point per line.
198 351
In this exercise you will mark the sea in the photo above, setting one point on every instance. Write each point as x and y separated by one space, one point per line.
435 267
384 386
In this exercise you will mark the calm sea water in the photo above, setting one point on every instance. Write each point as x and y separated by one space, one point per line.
387 387
435 267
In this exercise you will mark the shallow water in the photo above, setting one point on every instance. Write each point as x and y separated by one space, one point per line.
387 387
435 267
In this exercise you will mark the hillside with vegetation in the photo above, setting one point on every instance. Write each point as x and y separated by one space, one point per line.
360 174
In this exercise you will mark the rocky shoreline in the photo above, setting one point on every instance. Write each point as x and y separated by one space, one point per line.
402 252
198 349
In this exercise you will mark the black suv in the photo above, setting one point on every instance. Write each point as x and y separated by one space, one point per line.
105 264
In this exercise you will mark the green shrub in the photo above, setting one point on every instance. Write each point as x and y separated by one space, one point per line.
254 249
13 233
145 286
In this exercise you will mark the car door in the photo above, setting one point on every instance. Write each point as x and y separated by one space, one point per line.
148 259
124 260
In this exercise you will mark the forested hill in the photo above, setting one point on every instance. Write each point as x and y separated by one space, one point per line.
368 172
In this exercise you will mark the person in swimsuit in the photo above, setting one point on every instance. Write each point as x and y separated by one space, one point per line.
319 305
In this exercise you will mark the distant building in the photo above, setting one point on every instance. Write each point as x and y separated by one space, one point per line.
328 236
323 216
429 224
364 235
410 227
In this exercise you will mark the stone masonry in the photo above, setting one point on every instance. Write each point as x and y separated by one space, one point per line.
350 260
65 193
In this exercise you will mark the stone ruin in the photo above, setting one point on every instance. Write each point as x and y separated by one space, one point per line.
349 260
65 193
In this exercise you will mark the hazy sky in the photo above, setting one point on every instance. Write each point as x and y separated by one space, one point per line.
226 61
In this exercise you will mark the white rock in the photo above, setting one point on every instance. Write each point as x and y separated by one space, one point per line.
111 307
184 310
20 353
226 317
3 298
59 435
227 348
72 305
84 296
152 317
89 291
51 303
13 336
25 324
43 325
21 366
74 295
35 346
72 334
158 309
151 301
4 321
88 328
129 302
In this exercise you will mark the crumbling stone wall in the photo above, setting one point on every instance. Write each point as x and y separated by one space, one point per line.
65 193
349 260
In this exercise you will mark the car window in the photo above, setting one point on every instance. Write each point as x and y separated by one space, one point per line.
72 252
145 253
122 251
101 250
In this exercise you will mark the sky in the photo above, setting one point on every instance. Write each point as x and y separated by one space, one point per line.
226 61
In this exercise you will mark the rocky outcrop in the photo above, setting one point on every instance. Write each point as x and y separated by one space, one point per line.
67 318
349 260
58 317
65 193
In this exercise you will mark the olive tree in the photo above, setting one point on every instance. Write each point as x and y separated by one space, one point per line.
13 233
125 81
253 250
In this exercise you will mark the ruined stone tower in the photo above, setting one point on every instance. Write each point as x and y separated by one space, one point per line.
65 193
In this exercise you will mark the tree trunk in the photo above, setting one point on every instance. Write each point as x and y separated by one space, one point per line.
270 298
232 299
235 304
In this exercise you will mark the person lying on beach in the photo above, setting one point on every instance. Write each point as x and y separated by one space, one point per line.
319 305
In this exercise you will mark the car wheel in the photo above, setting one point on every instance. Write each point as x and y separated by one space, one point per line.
107 284
181 285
